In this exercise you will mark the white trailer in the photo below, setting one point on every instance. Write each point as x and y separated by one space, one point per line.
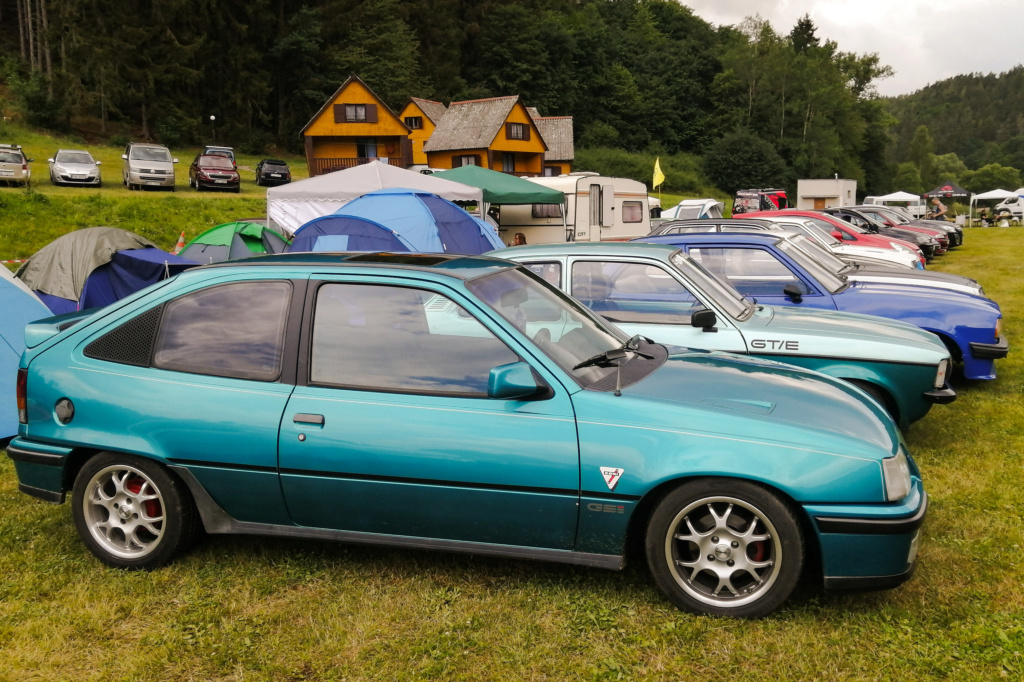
597 208
815 195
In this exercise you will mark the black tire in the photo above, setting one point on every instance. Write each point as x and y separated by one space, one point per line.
258 181
725 547
880 395
236 190
152 513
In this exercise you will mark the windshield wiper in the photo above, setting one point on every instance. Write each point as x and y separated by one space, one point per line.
614 356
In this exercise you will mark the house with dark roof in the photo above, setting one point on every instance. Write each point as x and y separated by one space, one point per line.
497 133
421 117
557 132
353 127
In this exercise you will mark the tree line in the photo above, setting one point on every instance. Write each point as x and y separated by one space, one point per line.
645 76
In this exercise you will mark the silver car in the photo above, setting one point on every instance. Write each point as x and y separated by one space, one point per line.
74 167
13 165
147 165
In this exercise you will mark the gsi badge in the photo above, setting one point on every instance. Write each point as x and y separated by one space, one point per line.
772 344
606 508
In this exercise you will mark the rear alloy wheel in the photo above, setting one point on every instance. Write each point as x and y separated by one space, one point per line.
131 513
725 547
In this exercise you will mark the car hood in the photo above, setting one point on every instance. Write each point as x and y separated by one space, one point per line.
76 167
912 296
943 280
741 397
156 165
832 333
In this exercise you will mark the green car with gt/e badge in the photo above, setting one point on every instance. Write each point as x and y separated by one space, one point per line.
461 404
657 291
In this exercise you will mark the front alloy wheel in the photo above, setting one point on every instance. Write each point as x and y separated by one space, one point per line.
725 547
130 512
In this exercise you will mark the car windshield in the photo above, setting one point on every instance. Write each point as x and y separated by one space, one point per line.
73 157
150 154
213 161
10 157
562 328
720 291
806 254
876 219
895 217
274 162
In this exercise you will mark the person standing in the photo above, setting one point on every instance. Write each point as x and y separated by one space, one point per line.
938 211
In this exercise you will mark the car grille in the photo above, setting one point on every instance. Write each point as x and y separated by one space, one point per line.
219 176
154 171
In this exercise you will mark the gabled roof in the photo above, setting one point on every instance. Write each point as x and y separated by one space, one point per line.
472 124
557 133
330 100
431 109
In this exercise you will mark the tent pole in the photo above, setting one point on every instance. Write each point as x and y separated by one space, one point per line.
565 225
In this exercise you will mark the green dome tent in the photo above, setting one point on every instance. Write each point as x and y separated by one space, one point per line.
229 241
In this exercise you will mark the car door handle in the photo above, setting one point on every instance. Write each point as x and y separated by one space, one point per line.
303 418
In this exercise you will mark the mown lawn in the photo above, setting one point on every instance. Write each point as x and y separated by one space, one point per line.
242 608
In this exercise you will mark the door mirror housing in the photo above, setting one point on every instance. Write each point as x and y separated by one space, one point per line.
793 292
514 381
704 319
837 234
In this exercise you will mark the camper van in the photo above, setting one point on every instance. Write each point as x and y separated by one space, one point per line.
597 208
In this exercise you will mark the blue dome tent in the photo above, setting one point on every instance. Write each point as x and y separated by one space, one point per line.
20 306
346 233
428 223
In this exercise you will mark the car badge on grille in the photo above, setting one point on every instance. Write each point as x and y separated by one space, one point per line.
611 476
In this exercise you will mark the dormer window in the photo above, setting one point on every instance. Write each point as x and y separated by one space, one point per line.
414 122
517 131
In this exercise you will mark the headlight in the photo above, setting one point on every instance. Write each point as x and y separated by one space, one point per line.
941 372
999 328
900 247
896 471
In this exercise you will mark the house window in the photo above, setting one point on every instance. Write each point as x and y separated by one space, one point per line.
552 171
632 211
366 148
547 210
517 131
355 112
508 162
465 160
414 122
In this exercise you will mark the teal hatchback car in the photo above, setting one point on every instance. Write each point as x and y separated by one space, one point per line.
658 291
455 403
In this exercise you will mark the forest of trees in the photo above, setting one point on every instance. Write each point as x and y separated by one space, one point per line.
645 76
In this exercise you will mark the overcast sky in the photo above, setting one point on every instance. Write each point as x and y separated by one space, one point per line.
924 41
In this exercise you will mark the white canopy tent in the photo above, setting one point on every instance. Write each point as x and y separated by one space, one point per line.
899 196
293 205
991 194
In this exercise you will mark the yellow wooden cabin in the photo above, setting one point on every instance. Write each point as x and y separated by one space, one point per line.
496 133
421 117
353 127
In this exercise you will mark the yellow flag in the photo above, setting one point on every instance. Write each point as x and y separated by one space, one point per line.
659 177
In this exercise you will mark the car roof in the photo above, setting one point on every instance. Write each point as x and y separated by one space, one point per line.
733 237
459 266
147 144
275 162
211 156
73 151
633 248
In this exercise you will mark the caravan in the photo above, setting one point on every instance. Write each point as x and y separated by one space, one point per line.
597 208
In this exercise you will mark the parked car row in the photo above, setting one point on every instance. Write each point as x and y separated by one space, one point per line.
143 166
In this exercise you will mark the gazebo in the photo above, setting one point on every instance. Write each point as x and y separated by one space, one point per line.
991 194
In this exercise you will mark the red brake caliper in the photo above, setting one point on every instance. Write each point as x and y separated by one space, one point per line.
134 486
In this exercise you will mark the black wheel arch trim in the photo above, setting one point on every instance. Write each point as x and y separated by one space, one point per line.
51 459
863 526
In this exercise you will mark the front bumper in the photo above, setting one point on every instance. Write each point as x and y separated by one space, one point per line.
872 546
993 351
941 396
150 180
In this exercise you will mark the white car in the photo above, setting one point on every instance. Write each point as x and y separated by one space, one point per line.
74 167
898 255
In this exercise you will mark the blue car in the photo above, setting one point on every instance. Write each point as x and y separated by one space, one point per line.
774 269
454 403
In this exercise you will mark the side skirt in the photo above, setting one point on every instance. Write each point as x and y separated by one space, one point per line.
217 521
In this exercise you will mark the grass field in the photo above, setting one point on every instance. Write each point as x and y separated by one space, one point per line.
243 608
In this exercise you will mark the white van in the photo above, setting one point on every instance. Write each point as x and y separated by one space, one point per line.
597 208
915 206
1012 207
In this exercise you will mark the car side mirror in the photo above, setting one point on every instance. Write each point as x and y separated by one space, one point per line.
873 229
512 381
99 163
175 160
124 156
49 161
704 320
837 234
30 160
793 292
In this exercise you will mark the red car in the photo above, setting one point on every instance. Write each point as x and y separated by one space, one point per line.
840 229
209 171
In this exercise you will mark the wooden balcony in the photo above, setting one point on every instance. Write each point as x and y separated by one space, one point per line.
321 166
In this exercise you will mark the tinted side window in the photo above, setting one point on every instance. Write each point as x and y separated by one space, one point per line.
753 272
632 292
387 338
231 330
